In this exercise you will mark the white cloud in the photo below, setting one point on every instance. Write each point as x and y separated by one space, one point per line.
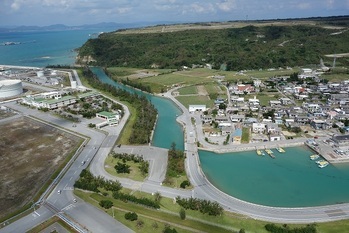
330 3
16 5
227 5
304 5
201 8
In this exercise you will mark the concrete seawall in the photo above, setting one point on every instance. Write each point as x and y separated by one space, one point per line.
255 146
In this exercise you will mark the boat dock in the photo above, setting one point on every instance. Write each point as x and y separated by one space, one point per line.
326 151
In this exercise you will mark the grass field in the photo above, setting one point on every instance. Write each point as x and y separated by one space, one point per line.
134 174
192 100
169 210
265 97
190 90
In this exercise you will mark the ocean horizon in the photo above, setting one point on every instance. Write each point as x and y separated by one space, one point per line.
42 48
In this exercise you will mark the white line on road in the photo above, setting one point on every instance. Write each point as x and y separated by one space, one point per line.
37 213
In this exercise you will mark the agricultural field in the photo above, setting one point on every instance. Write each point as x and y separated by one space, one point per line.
30 153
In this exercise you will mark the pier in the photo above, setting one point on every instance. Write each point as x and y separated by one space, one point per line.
326 151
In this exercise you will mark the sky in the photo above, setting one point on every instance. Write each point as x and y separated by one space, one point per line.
79 12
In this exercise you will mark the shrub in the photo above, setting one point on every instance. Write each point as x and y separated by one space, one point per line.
182 214
131 216
184 184
106 204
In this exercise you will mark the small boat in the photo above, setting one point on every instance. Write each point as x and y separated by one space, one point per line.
259 152
270 153
314 157
323 164
320 161
280 149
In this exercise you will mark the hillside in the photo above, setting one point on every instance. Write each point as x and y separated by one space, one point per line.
230 46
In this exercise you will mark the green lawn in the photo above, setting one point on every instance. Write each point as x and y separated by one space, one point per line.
169 213
134 174
190 90
265 74
245 138
149 216
265 97
192 100
122 71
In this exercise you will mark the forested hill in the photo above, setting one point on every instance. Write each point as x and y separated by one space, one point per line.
249 47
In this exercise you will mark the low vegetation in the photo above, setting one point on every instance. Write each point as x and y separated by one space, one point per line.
204 206
175 168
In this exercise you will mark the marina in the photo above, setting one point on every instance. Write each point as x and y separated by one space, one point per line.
294 185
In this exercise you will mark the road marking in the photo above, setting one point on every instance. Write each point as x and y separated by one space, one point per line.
75 172
71 178
68 207
37 213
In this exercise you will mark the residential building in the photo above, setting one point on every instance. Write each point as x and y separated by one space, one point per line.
197 108
258 128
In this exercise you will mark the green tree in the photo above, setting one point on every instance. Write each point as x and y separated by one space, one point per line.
106 204
131 216
122 168
182 214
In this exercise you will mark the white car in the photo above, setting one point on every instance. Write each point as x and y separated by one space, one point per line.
59 191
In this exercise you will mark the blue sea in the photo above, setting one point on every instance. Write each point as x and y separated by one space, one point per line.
42 48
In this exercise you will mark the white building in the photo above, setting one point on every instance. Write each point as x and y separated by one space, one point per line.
258 128
197 108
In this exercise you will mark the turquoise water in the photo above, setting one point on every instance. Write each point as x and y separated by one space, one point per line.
167 130
40 49
289 180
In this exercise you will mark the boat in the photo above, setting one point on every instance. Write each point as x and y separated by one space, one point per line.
280 149
270 153
314 157
259 152
320 161
323 164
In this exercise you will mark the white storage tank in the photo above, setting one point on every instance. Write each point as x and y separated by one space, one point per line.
9 88
40 73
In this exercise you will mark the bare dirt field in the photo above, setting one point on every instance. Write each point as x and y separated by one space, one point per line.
30 152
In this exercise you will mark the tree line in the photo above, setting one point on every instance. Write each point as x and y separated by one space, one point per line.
175 164
146 112
204 206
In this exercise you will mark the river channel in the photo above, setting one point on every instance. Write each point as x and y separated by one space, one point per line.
289 180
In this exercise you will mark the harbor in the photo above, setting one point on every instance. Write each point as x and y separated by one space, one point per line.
328 150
